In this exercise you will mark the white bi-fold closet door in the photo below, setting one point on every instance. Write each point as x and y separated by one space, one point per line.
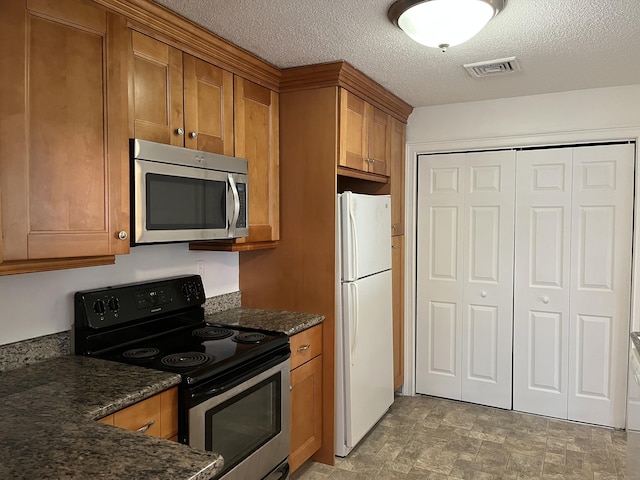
572 282
465 276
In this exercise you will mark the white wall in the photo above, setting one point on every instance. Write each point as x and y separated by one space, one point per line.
578 110
35 304
557 118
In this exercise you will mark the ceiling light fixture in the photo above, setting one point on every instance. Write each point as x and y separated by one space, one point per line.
443 23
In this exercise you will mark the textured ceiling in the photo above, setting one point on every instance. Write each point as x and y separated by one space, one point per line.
560 44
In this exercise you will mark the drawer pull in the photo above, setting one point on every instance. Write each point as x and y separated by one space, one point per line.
304 347
149 424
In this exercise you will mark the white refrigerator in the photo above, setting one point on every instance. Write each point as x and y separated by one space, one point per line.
364 345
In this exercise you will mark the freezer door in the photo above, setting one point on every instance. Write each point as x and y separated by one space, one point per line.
365 234
368 353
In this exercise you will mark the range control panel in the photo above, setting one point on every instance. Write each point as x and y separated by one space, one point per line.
110 306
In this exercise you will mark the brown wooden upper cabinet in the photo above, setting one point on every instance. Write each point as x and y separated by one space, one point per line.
64 179
179 99
256 118
365 133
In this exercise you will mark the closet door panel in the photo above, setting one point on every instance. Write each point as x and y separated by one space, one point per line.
487 284
439 273
602 209
542 263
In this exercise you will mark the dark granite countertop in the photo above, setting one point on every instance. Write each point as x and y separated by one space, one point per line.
47 419
274 320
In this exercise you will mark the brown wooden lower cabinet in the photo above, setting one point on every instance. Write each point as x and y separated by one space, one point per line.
156 416
306 396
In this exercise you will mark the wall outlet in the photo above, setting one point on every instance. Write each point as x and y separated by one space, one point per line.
200 268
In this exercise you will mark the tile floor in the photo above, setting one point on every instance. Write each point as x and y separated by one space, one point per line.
430 438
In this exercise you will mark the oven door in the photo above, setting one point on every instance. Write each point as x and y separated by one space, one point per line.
248 424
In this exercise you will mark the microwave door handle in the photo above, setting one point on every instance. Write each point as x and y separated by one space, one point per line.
236 206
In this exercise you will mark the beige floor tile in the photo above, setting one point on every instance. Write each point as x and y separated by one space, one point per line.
427 438
522 463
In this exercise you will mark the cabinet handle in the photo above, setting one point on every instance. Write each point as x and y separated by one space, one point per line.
483 294
149 424
179 131
304 347
193 134
122 235
545 300
372 160
290 388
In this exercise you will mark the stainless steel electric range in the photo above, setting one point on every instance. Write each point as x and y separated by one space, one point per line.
234 394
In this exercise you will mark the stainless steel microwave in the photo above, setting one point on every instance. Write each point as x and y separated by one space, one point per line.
181 195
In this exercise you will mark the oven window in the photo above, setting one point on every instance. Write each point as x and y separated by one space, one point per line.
238 427
181 203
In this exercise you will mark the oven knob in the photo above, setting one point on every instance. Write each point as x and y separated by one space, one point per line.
114 303
98 307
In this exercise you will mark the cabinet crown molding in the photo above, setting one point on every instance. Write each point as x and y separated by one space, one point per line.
167 26
342 74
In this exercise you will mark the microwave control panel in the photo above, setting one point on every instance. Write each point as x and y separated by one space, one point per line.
242 215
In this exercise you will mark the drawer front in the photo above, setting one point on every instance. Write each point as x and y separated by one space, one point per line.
306 345
143 416
156 416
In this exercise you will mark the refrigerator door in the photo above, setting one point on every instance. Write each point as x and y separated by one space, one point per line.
368 354
366 234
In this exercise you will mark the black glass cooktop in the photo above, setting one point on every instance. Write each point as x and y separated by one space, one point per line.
199 353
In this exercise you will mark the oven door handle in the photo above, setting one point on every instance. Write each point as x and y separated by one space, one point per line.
225 384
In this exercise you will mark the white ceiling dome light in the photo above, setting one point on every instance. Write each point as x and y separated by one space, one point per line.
443 23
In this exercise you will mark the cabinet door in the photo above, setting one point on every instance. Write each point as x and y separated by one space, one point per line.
397 148
353 132
306 411
256 111
155 99
63 145
208 106
378 141
397 270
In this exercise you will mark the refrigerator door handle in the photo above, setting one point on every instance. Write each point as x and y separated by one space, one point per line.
354 321
354 243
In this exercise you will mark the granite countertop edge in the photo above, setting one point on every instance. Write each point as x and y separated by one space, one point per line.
48 413
284 321
635 338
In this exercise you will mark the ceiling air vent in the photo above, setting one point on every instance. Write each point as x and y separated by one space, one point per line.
493 67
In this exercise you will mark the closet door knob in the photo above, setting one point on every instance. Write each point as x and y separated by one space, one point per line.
483 294
545 300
